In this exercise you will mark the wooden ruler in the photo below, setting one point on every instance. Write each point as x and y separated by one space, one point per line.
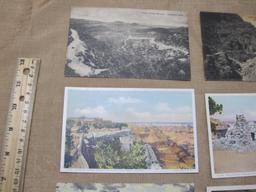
14 151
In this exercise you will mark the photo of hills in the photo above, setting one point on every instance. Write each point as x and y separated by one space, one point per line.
229 46
124 187
117 129
127 43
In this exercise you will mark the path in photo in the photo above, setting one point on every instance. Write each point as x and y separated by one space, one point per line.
124 187
114 129
128 43
232 129
229 46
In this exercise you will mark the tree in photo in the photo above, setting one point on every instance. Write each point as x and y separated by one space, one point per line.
214 108
106 155
68 147
109 155
135 158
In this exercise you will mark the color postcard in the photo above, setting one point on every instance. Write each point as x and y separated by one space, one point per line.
232 134
129 130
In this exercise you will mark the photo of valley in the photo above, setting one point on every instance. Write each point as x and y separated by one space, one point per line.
128 43
229 46
233 132
124 187
131 129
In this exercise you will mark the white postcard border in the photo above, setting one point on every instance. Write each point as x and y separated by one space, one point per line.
80 170
230 187
214 174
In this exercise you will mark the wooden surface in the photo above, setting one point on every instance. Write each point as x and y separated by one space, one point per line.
39 28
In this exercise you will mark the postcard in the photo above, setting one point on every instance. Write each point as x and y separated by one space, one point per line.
229 44
232 134
128 43
124 187
233 188
129 130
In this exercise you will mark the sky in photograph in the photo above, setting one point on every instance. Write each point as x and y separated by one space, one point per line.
236 105
144 17
70 187
131 105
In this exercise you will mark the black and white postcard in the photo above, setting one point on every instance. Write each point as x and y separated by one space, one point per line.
229 46
232 188
232 134
128 43
128 130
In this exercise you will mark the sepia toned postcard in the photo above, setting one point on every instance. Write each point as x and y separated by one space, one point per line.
129 130
232 134
229 46
128 43
124 187
233 188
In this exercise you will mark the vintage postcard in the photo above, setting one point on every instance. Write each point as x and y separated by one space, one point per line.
229 46
233 188
129 130
128 43
232 134
124 187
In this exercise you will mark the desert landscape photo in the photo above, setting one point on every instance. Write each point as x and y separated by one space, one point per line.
115 129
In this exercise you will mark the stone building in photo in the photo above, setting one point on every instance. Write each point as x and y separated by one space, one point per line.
240 137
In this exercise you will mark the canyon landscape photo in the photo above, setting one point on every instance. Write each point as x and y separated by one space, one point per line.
229 46
128 43
129 129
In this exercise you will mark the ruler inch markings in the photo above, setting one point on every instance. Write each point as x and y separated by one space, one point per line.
16 137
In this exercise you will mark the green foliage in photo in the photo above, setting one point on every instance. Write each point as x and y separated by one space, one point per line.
109 155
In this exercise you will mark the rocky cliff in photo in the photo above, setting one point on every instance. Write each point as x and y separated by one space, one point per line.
229 46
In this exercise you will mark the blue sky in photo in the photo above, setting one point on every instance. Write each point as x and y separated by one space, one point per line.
236 104
131 105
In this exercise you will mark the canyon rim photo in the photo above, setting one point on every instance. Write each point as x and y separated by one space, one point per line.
128 43
229 46
129 130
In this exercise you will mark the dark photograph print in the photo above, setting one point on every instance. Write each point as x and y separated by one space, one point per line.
128 43
129 130
229 46
124 187
233 188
